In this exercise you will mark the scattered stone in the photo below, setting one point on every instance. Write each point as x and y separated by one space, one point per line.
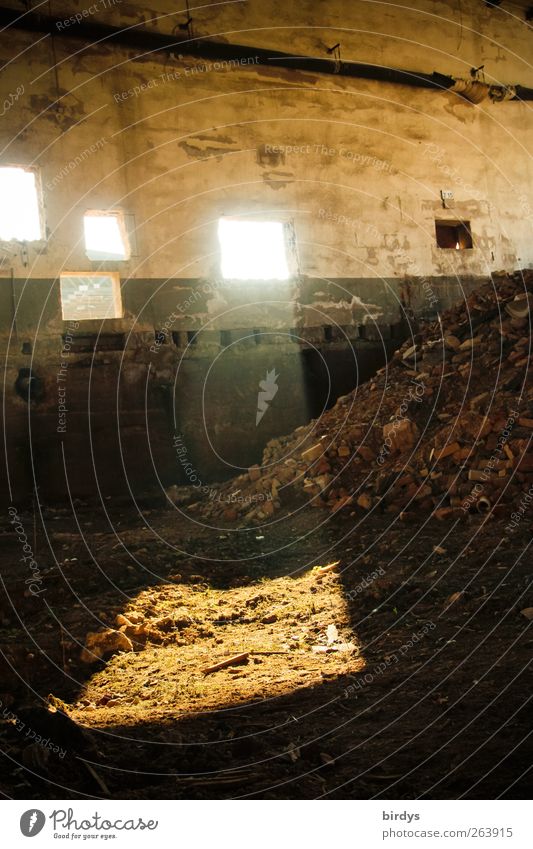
403 434
332 634
452 342
453 599
122 620
311 454
364 501
99 645
269 618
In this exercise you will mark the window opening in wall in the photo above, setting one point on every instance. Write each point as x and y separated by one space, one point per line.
20 205
253 250
86 296
105 236
456 235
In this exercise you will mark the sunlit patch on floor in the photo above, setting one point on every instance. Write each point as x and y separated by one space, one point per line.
295 631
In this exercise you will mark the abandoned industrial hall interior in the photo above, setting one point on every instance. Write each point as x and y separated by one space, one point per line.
266 291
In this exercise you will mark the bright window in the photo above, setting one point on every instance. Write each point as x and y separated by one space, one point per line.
20 216
105 236
253 250
86 296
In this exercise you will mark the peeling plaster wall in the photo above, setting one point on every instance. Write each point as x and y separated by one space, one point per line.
358 166
349 155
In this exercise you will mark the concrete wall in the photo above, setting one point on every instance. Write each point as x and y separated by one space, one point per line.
357 166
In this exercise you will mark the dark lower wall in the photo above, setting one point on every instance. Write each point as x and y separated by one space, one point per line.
31 308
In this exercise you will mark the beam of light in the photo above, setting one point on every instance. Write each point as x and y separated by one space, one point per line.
19 205
253 250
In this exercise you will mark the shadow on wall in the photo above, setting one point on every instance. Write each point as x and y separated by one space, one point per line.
226 411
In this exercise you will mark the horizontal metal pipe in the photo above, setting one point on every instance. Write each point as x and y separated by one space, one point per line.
151 42
523 93
135 36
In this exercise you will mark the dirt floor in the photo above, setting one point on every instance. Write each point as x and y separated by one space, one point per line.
400 672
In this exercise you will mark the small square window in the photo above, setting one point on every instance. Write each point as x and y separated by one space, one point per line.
20 205
90 296
105 236
455 235
253 250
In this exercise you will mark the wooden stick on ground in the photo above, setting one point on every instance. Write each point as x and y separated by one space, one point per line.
321 570
230 661
98 778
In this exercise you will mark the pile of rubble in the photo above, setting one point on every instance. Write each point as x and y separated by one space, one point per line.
444 429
